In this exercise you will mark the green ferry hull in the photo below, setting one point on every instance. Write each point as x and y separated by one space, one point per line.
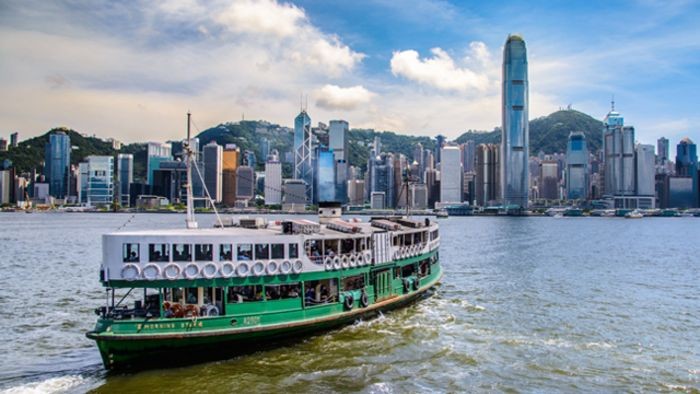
145 350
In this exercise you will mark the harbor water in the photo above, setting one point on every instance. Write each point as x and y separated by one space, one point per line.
525 304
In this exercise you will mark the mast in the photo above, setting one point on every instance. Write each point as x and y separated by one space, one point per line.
190 221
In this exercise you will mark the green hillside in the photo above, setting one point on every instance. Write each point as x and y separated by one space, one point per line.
549 133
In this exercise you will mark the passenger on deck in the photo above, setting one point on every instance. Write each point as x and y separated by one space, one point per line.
192 299
310 295
293 293
324 293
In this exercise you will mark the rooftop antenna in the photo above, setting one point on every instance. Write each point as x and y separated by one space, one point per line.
189 219
612 103
306 103
301 102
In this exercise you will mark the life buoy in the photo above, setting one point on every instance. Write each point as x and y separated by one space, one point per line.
130 272
416 283
258 268
352 261
348 302
285 267
150 272
364 300
243 269
344 261
228 270
191 271
171 271
406 285
360 259
368 258
211 310
297 267
336 263
328 263
272 267
209 270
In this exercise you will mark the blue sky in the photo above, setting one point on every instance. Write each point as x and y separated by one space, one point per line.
130 69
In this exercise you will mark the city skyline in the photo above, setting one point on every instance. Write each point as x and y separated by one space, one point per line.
423 79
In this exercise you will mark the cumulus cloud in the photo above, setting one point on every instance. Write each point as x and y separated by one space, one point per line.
263 17
286 30
334 97
440 71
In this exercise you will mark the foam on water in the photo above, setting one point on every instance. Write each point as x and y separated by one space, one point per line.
61 384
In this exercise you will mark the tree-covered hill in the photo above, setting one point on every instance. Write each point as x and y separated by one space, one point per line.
549 133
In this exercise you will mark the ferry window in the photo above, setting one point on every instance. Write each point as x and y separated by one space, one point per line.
313 249
354 282
239 294
396 240
277 251
320 292
293 251
191 295
347 246
225 252
158 252
262 251
363 244
425 268
182 252
282 292
416 238
245 252
130 253
203 252
407 271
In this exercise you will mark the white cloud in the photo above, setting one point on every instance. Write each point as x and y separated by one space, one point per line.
333 97
439 71
266 17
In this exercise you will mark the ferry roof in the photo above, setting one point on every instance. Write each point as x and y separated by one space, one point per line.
273 228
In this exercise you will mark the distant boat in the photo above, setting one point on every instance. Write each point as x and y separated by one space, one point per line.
441 214
634 215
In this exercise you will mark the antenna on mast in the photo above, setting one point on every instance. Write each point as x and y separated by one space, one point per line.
612 103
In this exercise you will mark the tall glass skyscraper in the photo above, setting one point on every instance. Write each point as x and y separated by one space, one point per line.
515 133
325 176
303 168
57 164
687 164
577 167
125 177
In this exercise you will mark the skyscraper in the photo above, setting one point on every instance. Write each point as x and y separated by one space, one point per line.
515 132
273 179
303 168
325 176
157 153
618 145
125 177
338 143
14 139
383 178
487 174
213 170
687 164
468 156
663 153
451 175
96 181
230 161
245 183
57 164
577 175
644 171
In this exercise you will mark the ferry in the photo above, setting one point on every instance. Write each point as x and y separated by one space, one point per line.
206 293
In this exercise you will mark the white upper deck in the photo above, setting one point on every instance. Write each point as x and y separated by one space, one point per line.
261 248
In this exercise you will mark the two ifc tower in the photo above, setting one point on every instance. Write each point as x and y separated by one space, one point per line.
515 141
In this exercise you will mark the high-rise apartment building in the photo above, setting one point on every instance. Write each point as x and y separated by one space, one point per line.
57 164
14 139
549 174
245 183
213 170
515 133
663 151
687 165
125 177
468 156
618 145
577 174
